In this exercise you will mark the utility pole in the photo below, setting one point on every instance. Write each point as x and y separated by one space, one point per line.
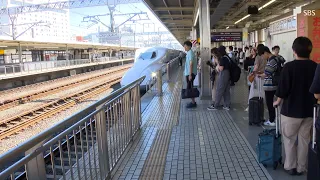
111 9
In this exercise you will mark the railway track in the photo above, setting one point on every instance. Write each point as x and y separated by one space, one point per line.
19 122
30 97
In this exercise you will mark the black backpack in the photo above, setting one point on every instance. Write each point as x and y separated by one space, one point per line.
277 73
235 70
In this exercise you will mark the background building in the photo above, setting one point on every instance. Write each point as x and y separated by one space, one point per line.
51 25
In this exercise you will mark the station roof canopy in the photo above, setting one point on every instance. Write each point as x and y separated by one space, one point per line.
179 16
35 45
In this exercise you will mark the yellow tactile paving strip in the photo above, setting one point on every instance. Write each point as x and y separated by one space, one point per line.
164 118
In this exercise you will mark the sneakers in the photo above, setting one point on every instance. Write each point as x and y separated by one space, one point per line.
268 123
247 109
226 108
210 108
192 105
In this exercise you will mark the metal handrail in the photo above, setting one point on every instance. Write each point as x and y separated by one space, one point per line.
165 68
126 97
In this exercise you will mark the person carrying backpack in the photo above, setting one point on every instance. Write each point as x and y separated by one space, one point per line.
223 81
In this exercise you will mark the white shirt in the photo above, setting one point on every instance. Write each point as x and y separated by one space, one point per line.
248 53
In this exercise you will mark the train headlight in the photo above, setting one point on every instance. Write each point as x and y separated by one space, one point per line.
153 74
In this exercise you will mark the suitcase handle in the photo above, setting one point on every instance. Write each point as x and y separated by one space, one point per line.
259 87
278 121
315 115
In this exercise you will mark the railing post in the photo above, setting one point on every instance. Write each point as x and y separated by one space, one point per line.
159 82
102 140
168 71
36 168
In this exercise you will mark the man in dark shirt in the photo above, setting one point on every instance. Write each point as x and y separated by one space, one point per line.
297 108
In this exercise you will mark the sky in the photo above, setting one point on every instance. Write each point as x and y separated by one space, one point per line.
81 28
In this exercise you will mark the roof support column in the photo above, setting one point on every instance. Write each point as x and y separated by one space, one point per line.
245 39
205 45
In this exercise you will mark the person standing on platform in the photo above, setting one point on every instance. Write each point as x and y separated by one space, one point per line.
270 84
297 108
214 73
231 54
190 70
223 82
276 50
315 89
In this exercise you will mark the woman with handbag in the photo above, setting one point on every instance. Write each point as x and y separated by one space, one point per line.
223 81
214 75
259 66
249 67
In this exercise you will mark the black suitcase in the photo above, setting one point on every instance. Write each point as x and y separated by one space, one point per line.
256 108
313 153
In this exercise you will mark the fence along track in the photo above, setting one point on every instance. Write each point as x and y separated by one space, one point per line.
30 97
24 120
67 158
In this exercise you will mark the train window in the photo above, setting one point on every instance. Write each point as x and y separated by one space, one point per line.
154 54
148 55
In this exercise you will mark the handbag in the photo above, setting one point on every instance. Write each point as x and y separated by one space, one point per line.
190 93
251 77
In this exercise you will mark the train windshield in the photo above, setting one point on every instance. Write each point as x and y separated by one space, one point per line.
148 55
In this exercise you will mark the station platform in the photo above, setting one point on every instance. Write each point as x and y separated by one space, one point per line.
14 76
44 69
167 142
178 143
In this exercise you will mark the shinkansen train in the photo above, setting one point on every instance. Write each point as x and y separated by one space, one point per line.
147 62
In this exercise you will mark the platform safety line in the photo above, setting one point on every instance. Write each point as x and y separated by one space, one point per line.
151 106
155 163
165 100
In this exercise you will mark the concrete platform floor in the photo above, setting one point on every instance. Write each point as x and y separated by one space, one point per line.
195 144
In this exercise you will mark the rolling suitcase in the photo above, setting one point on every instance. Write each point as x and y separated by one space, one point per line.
269 147
313 152
256 108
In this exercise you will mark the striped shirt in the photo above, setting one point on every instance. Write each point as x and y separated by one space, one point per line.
269 71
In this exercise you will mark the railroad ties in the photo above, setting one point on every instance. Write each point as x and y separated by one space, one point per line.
28 118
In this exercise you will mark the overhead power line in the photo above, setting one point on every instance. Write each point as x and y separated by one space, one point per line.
63 5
